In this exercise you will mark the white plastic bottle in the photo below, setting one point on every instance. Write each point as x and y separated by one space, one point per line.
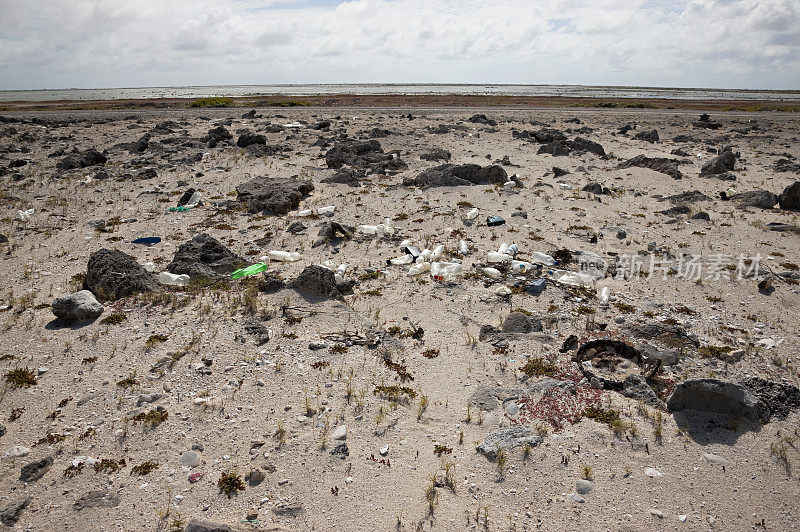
285 256
367 229
463 248
437 252
446 271
492 273
173 279
405 259
471 215
417 269
304 213
544 258
327 211
494 257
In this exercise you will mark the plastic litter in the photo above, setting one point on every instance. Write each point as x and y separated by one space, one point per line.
493 221
250 270
472 214
437 252
502 291
544 258
414 251
399 261
173 279
492 273
520 266
494 257
446 271
424 256
385 227
194 200
304 213
463 248
536 287
327 211
573 278
150 266
183 208
285 256
420 268
147 240
603 295
25 215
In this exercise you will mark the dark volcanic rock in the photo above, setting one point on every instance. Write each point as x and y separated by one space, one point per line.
35 470
140 146
96 499
363 154
760 199
519 322
331 231
88 158
112 274
246 139
716 397
435 154
346 176
197 525
720 164
217 135
790 197
482 119
204 257
449 175
657 164
687 197
316 282
785 165
9 514
780 399
594 188
579 145
272 196
647 136
558 172
555 148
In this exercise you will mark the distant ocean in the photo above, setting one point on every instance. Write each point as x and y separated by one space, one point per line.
411 89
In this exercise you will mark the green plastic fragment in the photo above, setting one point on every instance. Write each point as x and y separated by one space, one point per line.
250 270
178 209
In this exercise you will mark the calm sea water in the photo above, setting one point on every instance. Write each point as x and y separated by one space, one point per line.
412 89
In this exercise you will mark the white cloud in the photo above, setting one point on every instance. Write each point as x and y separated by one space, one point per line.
722 43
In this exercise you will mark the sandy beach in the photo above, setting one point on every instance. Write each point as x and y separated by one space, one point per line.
618 351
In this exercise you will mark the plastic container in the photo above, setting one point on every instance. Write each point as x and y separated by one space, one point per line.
367 229
285 256
304 213
327 211
471 215
424 256
544 258
493 257
420 268
25 215
573 278
603 294
150 266
536 287
512 250
446 271
509 184
463 248
173 279
194 200
437 252
492 273
494 221
399 261
503 247
520 266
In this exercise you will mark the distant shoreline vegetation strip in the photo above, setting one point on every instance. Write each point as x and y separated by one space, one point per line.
410 101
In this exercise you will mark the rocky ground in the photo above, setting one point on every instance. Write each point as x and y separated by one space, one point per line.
509 320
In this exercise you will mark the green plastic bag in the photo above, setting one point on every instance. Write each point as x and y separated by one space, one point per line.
250 270
178 209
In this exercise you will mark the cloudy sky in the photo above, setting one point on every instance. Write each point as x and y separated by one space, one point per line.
132 43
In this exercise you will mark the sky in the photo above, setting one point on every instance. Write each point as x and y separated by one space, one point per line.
139 43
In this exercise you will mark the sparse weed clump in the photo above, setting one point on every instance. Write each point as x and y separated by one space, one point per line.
230 483
21 378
